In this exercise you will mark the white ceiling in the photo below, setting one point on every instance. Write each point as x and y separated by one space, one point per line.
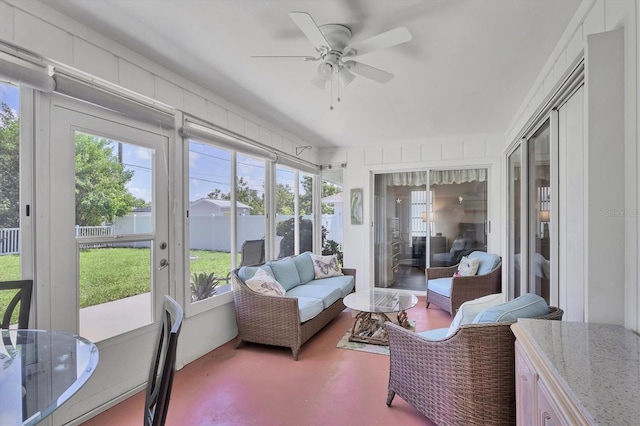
466 71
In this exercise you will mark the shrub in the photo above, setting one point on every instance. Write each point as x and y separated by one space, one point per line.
203 285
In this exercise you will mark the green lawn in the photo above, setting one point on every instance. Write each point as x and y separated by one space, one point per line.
108 274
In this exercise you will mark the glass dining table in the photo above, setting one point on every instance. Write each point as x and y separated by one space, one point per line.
39 371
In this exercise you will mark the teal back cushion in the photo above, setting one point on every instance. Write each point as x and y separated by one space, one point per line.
488 261
285 272
247 272
528 305
304 264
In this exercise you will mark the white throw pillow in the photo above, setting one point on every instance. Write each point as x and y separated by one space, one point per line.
264 283
467 267
470 309
326 266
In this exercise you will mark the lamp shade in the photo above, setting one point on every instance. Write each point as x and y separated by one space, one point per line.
544 216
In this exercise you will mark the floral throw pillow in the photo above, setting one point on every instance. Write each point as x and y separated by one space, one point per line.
467 267
326 266
264 283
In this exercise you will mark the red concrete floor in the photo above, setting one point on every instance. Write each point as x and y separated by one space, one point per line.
263 385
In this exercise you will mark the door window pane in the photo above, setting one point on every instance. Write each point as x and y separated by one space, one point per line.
9 184
459 214
515 210
209 220
113 197
540 209
305 196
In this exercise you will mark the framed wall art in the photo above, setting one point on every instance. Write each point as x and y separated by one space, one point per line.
356 206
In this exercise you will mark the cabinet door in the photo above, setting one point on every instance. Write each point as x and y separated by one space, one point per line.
526 395
549 414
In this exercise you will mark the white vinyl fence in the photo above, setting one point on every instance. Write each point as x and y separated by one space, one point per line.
206 232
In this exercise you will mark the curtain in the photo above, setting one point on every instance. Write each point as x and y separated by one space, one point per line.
438 177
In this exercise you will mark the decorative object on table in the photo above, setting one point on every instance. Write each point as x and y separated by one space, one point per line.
372 307
356 206
345 343
203 285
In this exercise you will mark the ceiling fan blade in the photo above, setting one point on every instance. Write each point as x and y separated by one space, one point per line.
368 71
381 41
310 29
345 76
306 58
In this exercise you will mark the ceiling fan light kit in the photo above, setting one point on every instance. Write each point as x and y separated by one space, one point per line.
333 45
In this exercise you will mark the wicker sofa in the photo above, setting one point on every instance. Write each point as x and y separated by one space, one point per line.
283 321
467 378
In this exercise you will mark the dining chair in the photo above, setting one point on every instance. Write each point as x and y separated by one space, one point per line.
23 297
163 365
252 252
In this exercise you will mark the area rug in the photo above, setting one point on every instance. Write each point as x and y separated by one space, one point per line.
344 343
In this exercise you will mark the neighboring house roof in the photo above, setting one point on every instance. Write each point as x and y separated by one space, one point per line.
220 203
333 199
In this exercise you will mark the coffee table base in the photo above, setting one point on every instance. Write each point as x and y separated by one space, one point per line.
369 327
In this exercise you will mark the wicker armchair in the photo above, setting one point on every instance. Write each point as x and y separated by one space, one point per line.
274 320
463 288
467 379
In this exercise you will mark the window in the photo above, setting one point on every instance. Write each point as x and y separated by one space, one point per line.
9 183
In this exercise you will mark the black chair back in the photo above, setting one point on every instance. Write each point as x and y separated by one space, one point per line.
252 252
22 297
163 365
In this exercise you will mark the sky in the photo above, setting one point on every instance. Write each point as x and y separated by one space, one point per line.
209 166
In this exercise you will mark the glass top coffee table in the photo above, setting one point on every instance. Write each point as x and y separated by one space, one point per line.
373 307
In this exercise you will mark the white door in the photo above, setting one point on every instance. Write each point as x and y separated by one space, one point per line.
102 188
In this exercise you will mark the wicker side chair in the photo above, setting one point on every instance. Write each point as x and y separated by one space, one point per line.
466 379
463 288
271 320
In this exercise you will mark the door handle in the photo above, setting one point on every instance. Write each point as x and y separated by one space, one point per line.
163 264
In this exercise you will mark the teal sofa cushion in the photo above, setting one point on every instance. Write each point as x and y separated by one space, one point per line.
488 261
304 265
528 305
247 272
441 286
345 283
285 272
470 309
308 308
326 294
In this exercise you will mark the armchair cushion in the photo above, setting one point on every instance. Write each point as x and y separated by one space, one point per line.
436 334
488 261
528 305
468 311
441 286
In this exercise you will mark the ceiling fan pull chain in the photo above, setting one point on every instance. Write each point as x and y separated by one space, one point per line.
331 103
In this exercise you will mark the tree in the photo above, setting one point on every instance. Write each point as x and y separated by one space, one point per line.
9 168
244 194
284 199
101 193
306 195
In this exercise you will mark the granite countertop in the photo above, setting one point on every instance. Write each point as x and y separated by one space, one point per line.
599 365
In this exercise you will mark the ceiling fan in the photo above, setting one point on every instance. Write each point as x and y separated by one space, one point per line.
336 53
